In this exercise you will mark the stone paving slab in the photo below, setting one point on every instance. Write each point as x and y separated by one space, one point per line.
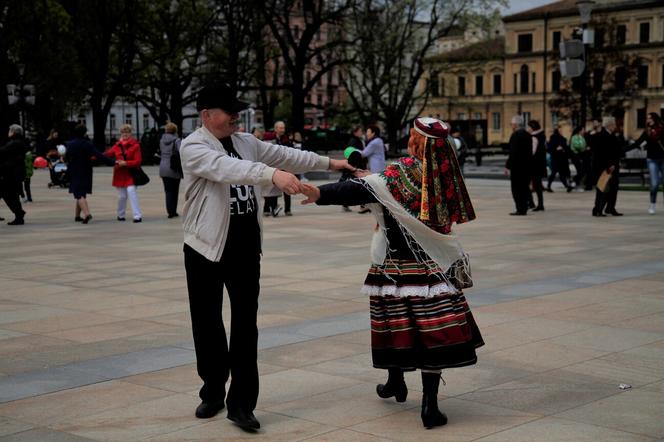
95 341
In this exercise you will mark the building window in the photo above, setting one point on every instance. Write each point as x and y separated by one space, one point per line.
534 89
524 79
434 87
555 81
598 79
641 118
599 38
319 99
621 34
146 121
554 119
515 82
526 117
194 124
497 84
663 75
441 86
129 119
112 124
495 118
644 32
620 78
642 77
462 86
461 116
525 43
479 85
556 41
477 116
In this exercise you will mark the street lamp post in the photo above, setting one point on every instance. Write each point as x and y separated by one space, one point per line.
585 8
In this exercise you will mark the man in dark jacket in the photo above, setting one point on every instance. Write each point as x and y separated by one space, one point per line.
12 172
538 169
518 165
607 150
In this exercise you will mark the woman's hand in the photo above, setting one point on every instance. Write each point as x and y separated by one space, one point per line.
361 173
311 192
121 163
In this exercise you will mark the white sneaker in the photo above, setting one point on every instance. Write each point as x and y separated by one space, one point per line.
651 209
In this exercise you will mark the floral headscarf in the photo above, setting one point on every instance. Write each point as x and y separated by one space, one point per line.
431 189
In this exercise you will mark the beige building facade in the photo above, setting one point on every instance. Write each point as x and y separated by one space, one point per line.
491 81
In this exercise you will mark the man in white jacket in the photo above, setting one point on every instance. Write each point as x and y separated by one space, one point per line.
224 171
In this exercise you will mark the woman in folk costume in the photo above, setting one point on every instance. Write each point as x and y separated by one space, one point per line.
419 316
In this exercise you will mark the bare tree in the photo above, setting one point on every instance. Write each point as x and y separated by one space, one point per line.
296 26
106 51
395 38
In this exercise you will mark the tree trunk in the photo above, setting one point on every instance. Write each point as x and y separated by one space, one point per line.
176 110
98 122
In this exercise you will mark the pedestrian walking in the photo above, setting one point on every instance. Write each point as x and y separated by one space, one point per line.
272 195
26 192
224 172
374 152
461 147
79 157
539 171
588 156
557 148
12 173
578 148
170 167
607 151
653 136
518 165
419 316
127 155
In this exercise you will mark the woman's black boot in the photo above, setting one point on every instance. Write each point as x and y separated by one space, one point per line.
395 386
431 415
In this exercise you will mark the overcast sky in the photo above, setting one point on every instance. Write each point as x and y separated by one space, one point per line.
521 5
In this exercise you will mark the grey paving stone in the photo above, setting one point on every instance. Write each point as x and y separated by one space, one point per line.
43 435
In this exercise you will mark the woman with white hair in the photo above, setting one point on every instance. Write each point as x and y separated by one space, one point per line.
127 154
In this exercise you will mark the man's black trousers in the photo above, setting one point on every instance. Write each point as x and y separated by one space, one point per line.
239 272
606 201
520 191
10 191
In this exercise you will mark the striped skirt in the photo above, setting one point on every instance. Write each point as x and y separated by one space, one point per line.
418 321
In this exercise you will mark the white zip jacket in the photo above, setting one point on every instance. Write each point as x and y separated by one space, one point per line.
209 171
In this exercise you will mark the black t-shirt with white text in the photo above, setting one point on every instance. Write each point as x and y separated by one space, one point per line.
244 231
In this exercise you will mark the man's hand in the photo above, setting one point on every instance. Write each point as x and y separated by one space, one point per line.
286 182
311 192
340 164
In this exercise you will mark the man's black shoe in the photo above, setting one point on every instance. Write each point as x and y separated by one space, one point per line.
518 213
597 213
208 409
538 209
244 419
16 222
614 212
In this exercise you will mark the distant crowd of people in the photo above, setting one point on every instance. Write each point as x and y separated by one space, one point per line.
595 154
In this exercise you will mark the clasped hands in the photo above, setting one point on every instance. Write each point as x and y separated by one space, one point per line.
288 183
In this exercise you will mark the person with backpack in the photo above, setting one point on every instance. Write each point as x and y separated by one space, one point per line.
170 167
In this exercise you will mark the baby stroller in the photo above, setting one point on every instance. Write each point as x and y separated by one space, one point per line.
58 170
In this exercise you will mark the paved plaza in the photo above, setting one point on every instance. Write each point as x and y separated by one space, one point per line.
95 337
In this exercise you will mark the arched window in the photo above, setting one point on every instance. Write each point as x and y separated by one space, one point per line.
524 77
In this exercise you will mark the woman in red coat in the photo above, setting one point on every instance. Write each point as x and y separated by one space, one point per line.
127 153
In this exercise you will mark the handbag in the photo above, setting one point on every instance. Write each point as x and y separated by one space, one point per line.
138 175
176 161
603 181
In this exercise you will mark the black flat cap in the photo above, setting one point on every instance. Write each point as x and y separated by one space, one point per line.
219 95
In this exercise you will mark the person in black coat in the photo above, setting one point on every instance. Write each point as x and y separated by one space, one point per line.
80 152
12 173
558 149
539 171
607 150
519 163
